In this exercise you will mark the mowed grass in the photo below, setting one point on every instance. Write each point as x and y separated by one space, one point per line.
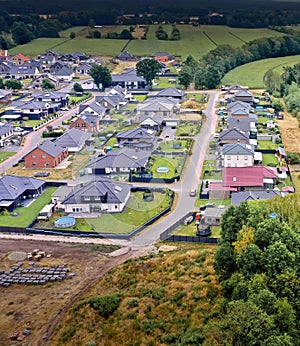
196 41
4 155
27 214
252 74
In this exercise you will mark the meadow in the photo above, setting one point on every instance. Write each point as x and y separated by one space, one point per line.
252 74
196 41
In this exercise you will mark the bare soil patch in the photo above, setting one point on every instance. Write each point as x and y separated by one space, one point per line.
38 308
290 133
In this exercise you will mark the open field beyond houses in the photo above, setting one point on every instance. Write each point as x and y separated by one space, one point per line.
196 41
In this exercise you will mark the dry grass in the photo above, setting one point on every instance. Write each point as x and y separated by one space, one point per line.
32 307
122 65
290 133
159 296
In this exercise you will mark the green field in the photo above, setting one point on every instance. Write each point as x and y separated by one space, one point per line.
4 155
252 74
196 41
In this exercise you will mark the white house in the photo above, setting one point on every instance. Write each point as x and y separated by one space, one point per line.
237 155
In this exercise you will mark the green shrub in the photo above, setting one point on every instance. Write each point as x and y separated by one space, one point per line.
105 305
132 303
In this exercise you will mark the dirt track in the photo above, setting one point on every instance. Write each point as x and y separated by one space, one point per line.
41 308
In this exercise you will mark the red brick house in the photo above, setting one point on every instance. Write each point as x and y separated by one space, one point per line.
19 59
86 122
46 155
163 57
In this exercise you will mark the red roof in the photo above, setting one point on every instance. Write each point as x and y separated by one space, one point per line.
247 176
23 57
288 189
220 187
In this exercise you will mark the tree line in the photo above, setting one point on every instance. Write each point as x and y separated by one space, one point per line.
258 265
209 71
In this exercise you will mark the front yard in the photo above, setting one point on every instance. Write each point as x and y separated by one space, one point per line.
173 163
188 128
174 146
23 216
4 155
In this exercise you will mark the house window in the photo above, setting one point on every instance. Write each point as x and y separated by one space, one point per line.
31 110
44 156
228 157
87 198
33 163
97 198
33 156
116 207
83 125
77 125
246 158
237 157
47 164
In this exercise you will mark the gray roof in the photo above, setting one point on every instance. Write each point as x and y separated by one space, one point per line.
238 104
156 106
125 55
128 76
237 149
73 138
124 158
234 134
170 92
95 106
252 195
240 111
23 69
91 119
6 128
50 148
244 93
136 133
4 93
110 191
12 187
154 117
34 105
242 124
170 56
50 95
64 71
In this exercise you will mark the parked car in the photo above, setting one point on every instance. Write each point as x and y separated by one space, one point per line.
216 135
193 192
188 220
42 174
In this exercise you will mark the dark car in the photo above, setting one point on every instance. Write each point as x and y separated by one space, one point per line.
203 232
41 174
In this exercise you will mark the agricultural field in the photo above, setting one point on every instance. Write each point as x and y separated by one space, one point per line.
251 74
196 41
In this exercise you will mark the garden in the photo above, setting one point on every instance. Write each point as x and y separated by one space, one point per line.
139 211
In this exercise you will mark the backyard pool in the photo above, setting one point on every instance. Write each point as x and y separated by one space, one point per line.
65 222
162 169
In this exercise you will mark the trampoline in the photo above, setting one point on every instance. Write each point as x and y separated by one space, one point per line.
65 222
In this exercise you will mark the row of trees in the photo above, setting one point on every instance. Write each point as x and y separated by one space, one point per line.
161 34
258 265
208 72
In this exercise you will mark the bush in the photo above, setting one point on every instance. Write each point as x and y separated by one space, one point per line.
132 303
106 305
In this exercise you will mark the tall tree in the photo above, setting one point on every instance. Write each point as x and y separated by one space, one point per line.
148 68
47 84
101 76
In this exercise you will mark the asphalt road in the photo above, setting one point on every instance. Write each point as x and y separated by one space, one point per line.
190 178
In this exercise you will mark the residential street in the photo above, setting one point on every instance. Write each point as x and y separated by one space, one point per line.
189 180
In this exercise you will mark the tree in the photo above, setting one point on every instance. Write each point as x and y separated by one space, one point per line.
249 262
13 84
72 35
148 68
101 75
47 84
277 105
224 260
21 34
1 84
185 77
96 34
175 35
161 34
126 35
78 88
279 340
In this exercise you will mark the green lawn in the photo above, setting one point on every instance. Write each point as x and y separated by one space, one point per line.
136 214
200 202
4 155
187 129
173 163
270 159
28 214
262 120
266 145
190 230
168 146
196 41
31 123
198 97
251 74
163 83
